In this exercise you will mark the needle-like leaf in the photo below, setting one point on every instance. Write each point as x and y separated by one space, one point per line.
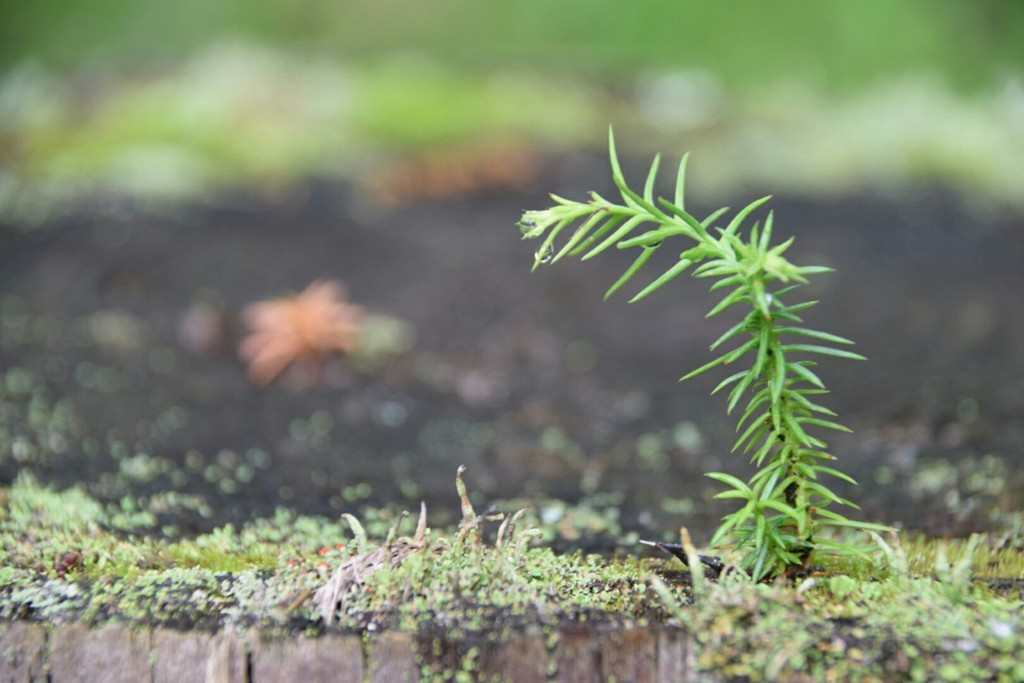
639 263
652 175
742 215
666 277
680 198
782 520
822 350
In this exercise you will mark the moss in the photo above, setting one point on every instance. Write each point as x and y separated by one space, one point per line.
918 613
999 556
501 589
841 629
253 575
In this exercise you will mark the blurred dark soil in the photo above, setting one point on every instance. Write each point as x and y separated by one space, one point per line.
530 380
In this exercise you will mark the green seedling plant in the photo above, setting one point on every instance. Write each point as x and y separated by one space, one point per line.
787 509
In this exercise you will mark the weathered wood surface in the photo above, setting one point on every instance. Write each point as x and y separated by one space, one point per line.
331 659
523 658
111 653
392 657
33 653
629 656
179 657
577 656
21 652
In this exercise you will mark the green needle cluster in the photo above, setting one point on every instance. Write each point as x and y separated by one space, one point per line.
786 504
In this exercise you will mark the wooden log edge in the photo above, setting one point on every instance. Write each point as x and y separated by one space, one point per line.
36 653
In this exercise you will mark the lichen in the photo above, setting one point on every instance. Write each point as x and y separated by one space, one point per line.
929 610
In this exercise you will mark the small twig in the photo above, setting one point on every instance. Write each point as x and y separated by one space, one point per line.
297 602
524 538
475 523
420 538
470 520
693 560
508 526
358 533
393 531
468 513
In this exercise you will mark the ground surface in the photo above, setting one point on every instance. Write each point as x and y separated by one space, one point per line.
542 390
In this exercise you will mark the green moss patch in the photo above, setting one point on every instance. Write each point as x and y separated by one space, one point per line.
66 556
919 612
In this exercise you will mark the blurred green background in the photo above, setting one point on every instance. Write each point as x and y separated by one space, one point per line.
171 100
832 43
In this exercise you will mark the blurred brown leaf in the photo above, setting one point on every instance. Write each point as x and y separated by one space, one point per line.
305 328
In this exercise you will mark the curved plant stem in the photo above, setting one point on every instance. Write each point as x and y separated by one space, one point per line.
785 503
